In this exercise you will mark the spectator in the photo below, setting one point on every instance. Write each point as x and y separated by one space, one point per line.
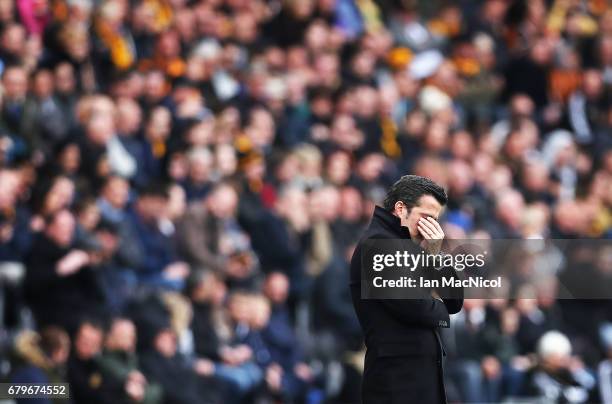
88 383
42 357
15 84
214 336
181 381
282 341
560 377
44 122
160 266
212 238
113 205
16 236
61 285
119 363
333 307
200 167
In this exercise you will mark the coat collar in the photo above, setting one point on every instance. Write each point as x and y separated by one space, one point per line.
391 222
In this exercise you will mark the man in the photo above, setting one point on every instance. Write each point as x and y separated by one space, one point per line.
119 363
183 381
43 123
41 358
199 233
87 383
15 85
282 343
113 204
404 354
161 266
61 285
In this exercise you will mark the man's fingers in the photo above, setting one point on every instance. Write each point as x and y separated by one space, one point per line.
424 232
436 224
430 228
432 225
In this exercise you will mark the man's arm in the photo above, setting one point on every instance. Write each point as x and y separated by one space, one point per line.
451 296
427 312
453 305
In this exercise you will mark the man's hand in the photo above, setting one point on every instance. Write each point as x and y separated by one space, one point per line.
136 375
204 367
236 355
432 233
274 377
176 271
135 386
72 262
490 367
303 371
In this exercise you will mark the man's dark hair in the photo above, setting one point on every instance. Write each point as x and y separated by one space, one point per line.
52 339
410 188
90 321
154 189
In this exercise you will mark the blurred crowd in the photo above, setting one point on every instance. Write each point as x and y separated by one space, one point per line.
182 183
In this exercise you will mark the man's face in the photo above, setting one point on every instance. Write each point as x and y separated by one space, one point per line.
152 206
427 206
223 203
60 356
165 343
61 229
276 288
88 342
100 128
13 39
43 84
15 82
9 184
116 192
65 81
122 336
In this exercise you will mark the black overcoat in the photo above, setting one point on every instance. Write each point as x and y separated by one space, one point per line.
404 352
